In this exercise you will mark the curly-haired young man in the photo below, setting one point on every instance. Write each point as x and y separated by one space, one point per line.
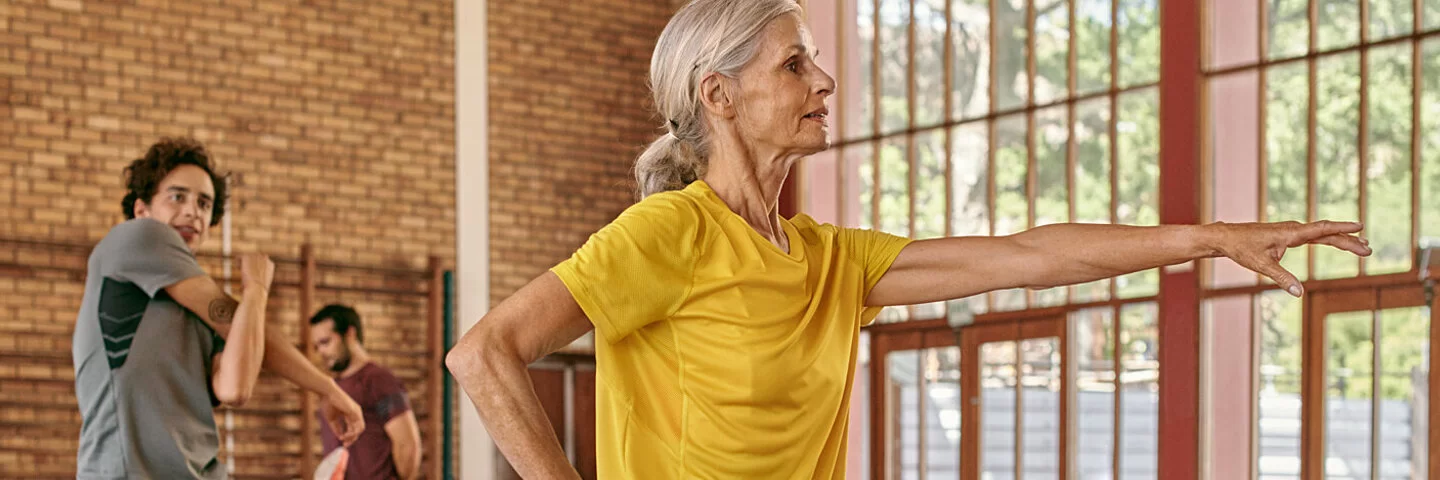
158 345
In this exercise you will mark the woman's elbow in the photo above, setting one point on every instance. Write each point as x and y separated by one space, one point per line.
457 361
466 359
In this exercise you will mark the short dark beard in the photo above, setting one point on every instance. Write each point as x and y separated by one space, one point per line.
343 361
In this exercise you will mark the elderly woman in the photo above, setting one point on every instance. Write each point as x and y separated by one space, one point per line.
727 334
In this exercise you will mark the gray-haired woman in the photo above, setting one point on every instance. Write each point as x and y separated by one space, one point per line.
727 334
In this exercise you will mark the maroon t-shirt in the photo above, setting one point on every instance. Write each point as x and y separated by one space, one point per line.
382 397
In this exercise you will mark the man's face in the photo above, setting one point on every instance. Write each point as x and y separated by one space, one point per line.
185 201
333 349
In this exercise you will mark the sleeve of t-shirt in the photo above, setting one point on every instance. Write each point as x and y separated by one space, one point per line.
638 269
389 393
874 252
147 253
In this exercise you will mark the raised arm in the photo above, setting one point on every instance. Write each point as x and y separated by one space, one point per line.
1066 254
490 363
238 367
242 325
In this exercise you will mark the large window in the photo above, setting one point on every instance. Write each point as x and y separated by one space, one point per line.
1322 109
989 117
1327 110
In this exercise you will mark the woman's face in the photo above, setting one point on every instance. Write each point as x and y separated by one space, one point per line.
782 91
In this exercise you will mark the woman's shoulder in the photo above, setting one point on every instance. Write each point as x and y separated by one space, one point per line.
672 207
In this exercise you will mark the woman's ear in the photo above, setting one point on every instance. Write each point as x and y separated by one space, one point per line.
716 95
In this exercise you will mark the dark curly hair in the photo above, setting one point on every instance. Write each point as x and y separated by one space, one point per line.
144 174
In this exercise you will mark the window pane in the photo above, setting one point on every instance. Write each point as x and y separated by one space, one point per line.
1404 345
1139 42
969 177
1052 196
1288 23
1234 30
1279 396
904 418
1235 141
1040 419
1391 18
1092 179
1430 149
1228 330
1093 434
1138 157
1387 219
893 314
1011 157
894 65
1348 363
942 417
1339 23
1337 163
860 185
1432 14
1139 391
963 310
857 88
1052 47
1010 52
929 62
1092 45
1139 178
1286 107
930 184
894 187
997 410
970 34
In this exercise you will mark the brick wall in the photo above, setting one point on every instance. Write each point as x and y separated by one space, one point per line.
337 118
569 111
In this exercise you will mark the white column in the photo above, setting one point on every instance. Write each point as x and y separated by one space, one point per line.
475 452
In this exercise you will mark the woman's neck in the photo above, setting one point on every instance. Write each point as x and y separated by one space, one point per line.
749 183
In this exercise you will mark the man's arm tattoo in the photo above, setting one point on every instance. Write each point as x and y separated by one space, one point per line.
223 309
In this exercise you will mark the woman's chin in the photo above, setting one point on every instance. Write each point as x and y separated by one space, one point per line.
814 146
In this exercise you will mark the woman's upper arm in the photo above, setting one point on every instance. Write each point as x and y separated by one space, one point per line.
950 268
637 270
540 318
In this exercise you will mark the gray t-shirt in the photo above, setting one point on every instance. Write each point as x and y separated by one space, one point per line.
142 362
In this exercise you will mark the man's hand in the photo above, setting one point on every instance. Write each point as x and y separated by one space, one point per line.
256 270
343 415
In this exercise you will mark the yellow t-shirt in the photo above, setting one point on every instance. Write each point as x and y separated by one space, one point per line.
720 355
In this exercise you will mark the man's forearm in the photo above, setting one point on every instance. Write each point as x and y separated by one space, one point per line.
239 368
283 359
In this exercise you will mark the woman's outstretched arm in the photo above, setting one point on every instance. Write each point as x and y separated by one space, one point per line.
1066 254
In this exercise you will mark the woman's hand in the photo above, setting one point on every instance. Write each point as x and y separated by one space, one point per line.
1260 246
